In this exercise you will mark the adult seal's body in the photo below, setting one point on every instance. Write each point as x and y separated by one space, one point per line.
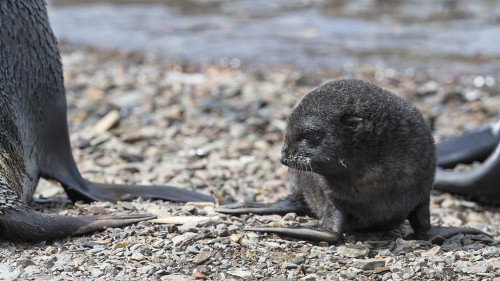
34 139
361 159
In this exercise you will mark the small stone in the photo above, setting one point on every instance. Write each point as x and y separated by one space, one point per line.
236 237
89 244
404 246
110 270
233 227
323 244
120 245
289 265
190 226
353 251
137 256
98 210
384 253
176 277
478 268
202 257
298 260
96 272
199 275
290 217
381 269
25 262
183 239
369 264
5 268
189 209
432 252
310 277
243 274
107 122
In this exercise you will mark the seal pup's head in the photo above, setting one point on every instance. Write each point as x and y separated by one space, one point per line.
349 126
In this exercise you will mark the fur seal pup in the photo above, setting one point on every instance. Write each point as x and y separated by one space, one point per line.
34 140
482 182
361 159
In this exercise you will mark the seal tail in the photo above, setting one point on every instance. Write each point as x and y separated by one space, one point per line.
26 224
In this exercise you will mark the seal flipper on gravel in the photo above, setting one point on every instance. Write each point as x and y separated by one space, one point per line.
25 224
480 182
34 137
476 145
292 204
77 188
363 160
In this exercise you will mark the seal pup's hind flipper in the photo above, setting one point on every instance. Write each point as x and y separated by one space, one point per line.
289 205
448 232
26 224
471 146
481 182
302 233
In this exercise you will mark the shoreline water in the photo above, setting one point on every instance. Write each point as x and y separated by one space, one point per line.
444 37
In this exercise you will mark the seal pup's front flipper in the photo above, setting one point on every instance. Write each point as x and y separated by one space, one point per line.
302 233
26 224
481 182
471 146
289 205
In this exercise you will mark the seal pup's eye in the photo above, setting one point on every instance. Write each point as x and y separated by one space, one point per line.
350 120
313 136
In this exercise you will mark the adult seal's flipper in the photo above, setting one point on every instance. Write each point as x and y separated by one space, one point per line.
290 205
63 168
91 191
472 146
302 233
482 181
26 224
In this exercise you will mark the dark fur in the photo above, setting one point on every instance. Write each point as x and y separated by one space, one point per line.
361 158
34 138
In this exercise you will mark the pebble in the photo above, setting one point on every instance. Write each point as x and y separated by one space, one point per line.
243 274
353 251
369 264
202 257
137 256
183 239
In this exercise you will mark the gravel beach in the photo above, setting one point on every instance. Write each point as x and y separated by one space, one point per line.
135 118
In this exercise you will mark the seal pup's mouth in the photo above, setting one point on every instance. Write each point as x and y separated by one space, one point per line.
298 162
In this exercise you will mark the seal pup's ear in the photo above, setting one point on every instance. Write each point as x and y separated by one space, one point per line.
350 120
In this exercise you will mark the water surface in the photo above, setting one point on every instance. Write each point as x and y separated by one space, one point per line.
445 35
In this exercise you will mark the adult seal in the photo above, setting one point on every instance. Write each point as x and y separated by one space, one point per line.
34 140
361 159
